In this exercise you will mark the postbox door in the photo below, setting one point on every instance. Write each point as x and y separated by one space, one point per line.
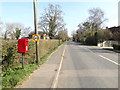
26 46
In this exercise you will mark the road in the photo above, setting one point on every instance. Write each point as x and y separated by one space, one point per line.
88 67
81 67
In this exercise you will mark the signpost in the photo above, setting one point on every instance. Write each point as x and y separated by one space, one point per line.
36 31
36 38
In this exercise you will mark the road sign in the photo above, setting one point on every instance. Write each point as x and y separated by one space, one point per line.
36 37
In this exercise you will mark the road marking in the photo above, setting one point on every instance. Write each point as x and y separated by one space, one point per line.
87 49
103 57
109 60
54 85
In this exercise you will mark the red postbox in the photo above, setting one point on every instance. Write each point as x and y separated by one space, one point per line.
23 46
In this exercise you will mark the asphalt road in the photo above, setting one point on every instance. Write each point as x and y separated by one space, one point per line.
75 65
88 67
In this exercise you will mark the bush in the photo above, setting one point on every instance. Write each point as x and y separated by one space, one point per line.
116 46
90 40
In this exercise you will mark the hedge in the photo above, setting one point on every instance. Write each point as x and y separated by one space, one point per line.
116 46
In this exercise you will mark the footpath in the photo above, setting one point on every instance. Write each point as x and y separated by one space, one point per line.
44 76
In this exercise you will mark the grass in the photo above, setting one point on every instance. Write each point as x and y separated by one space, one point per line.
15 76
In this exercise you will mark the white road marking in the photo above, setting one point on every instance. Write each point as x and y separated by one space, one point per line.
103 57
109 60
54 85
87 49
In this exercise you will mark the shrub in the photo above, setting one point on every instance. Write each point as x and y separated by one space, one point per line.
116 46
90 40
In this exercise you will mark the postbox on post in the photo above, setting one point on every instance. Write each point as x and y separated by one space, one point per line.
23 48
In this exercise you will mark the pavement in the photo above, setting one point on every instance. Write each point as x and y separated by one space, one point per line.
43 77
75 65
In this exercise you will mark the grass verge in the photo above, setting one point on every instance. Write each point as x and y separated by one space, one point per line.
15 76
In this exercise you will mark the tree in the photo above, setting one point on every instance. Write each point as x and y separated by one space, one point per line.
11 30
0 24
96 18
88 31
26 31
52 21
8 30
116 36
1 27
104 34
63 34
17 33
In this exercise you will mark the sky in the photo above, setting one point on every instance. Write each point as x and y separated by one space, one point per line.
119 13
74 11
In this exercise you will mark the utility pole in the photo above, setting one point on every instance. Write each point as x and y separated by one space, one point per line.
36 31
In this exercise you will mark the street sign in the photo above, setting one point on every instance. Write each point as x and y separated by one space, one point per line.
36 37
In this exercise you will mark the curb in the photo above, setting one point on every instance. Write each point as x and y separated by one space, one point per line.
55 80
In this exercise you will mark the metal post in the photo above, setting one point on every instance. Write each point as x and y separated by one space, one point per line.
59 41
36 31
23 54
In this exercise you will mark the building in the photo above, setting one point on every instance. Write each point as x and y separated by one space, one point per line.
114 29
42 35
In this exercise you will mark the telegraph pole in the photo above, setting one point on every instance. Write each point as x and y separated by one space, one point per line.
36 31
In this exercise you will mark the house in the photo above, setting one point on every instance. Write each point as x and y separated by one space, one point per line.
112 40
42 35
114 29
33 32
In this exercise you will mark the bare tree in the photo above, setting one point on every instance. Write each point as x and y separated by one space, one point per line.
1 27
0 24
88 31
96 18
10 30
52 21
63 34
26 31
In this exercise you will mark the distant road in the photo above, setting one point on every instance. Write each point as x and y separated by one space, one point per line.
88 67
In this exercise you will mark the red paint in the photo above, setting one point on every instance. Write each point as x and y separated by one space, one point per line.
23 46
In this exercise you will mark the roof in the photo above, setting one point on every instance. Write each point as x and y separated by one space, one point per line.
114 29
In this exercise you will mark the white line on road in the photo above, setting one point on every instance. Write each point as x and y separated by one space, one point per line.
87 49
109 60
103 57
54 85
